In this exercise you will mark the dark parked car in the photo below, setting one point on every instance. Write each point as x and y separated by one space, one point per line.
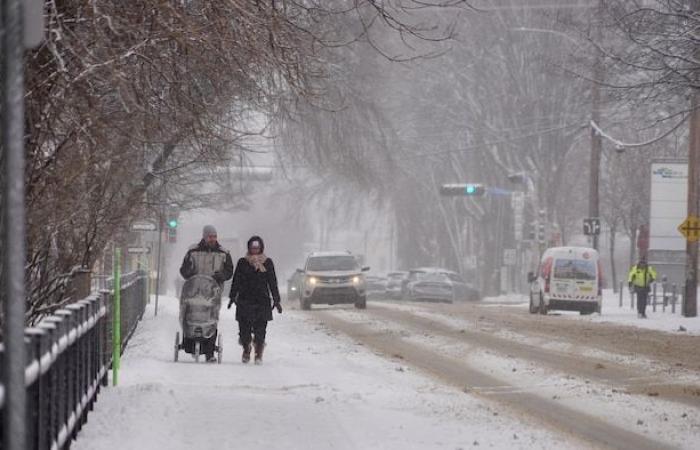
440 285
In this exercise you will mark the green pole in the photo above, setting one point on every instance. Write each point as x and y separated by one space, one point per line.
116 316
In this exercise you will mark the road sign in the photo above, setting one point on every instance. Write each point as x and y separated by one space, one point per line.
143 226
139 250
591 226
509 258
690 228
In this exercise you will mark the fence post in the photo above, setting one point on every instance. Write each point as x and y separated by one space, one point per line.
632 292
663 290
653 306
622 285
116 317
673 298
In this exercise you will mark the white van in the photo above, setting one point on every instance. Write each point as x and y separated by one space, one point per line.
568 279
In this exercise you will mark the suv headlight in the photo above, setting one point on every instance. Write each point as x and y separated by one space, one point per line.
357 279
312 281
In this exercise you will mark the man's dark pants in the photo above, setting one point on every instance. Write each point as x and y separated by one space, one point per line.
642 296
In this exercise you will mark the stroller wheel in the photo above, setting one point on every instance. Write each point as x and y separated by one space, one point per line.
197 351
177 346
219 348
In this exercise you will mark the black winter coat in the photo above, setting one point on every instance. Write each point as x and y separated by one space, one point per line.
251 291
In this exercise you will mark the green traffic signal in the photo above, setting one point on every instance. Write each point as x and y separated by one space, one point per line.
172 223
470 189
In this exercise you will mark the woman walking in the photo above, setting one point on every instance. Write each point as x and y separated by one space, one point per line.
254 281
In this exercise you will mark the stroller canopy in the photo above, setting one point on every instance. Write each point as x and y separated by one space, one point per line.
200 286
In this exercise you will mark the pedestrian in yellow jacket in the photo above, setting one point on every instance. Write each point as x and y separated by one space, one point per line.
640 278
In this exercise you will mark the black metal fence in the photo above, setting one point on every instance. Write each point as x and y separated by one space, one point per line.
69 356
661 294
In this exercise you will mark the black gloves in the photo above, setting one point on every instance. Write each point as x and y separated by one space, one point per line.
277 306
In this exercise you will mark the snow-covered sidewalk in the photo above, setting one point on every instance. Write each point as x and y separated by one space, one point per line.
316 390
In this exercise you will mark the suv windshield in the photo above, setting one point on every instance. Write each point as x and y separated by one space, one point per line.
574 269
322 263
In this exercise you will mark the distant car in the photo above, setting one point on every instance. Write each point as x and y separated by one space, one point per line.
295 284
440 285
569 279
333 278
375 286
396 284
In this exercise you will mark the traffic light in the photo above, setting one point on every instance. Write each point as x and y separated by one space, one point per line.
172 230
463 189
541 226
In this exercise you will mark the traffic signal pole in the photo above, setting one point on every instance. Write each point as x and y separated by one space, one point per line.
160 244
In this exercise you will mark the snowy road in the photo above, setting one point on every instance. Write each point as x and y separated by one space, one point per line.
317 390
614 386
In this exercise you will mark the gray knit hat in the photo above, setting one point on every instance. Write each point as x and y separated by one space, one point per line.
208 230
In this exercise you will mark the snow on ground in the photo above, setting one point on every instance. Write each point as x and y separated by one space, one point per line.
659 320
315 391
676 424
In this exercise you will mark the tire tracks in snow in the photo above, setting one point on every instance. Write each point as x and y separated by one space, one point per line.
600 370
455 372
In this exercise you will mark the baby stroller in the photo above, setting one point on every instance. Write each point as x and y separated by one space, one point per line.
200 302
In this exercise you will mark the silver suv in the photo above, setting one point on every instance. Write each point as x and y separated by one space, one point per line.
333 278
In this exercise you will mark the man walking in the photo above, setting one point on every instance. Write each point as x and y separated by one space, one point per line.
640 278
208 258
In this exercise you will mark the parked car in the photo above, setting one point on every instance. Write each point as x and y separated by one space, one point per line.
437 284
295 284
333 278
568 279
396 284
375 286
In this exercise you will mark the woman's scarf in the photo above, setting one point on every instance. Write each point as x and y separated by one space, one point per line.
257 261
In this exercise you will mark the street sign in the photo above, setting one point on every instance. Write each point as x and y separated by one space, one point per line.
139 250
143 226
509 258
591 226
690 228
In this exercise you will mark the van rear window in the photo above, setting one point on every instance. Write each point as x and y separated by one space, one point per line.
574 269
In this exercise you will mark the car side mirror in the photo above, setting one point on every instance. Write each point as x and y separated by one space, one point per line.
365 269
300 270
531 277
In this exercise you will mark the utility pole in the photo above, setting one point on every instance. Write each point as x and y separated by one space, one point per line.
21 26
690 300
596 143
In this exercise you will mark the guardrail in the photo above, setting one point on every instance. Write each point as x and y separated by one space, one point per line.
68 358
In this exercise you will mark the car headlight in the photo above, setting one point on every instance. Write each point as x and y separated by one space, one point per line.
312 281
294 289
356 280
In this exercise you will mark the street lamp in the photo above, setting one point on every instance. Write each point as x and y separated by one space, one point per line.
596 137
